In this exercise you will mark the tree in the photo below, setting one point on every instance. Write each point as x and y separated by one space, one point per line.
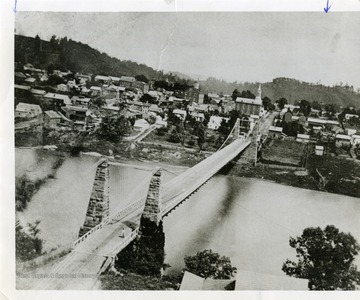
28 245
209 264
325 259
305 107
99 101
113 128
142 78
224 127
235 94
178 134
247 94
206 99
267 103
281 102
201 135
316 105
146 98
50 69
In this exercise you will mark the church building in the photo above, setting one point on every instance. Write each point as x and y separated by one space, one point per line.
249 106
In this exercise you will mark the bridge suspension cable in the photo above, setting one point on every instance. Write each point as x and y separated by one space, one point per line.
230 134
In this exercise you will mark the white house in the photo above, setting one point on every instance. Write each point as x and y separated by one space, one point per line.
215 122
180 113
302 138
64 99
319 150
350 131
141 125
199 117
25 110
62 87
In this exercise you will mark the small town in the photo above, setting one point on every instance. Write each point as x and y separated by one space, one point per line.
131 178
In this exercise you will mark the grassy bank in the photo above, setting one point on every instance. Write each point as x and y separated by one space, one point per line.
342 175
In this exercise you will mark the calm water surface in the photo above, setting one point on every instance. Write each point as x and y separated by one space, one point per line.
251 220
248 220
61 203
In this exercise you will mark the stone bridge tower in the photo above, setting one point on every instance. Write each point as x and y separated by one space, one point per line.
152 210
98 207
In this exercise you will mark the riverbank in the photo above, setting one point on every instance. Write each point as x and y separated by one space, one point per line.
338 175
32 171
341 175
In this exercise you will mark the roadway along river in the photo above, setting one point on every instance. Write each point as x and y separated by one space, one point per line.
248 220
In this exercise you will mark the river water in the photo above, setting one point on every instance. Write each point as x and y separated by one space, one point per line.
248 220
251 220
62 201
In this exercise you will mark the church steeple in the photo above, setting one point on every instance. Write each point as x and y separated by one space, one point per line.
258 96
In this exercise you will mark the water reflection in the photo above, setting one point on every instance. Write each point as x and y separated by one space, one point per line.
251 220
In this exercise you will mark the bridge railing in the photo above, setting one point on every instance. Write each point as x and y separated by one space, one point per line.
128 209
90 232
111 256
127 240
196 176
118 214
122 213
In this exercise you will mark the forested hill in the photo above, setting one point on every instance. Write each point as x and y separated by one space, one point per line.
67 54
291 89
75 56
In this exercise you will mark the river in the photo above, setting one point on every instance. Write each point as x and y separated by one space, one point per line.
248 220
251 220
62 201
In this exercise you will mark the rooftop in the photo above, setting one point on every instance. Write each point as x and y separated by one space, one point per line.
275 129
38 92
22 87
28 107
53 114
179 111
127 78
248 101
57 96
343 137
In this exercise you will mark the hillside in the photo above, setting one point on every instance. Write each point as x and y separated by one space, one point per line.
291 89
78 57
75 56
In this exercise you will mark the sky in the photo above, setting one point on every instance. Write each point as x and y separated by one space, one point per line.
234 46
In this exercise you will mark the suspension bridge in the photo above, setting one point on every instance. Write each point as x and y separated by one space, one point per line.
106 233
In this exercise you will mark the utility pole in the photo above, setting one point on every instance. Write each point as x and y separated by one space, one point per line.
256 143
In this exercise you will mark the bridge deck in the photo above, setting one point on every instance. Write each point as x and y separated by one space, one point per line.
89 256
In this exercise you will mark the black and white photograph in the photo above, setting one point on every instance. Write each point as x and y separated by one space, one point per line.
187 150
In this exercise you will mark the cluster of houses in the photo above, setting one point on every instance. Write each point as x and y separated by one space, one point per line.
72 102
73 106
316 129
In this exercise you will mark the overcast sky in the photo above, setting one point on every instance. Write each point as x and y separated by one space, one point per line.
232 46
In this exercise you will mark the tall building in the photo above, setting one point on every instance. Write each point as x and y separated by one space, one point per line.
249 106
192 95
